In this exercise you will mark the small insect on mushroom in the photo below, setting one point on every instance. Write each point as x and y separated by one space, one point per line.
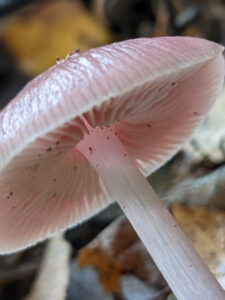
116 91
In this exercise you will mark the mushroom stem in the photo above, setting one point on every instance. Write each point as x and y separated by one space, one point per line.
182 267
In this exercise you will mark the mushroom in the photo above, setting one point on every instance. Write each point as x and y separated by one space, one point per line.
87 132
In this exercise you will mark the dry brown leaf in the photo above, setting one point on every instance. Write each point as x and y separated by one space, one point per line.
117 250
49 30
206 230
108 269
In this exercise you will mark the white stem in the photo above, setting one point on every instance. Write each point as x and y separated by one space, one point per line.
182 267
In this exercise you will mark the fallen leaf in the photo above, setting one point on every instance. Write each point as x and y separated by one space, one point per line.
108 269
117 250
43 32
84 284
206 230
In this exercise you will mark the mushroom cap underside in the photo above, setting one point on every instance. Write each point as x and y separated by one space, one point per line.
151 92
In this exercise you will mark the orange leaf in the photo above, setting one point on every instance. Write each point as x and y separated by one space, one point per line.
109 270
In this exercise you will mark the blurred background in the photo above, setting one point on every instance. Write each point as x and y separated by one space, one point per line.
79 265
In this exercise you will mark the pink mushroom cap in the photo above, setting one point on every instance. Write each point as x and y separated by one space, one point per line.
151 92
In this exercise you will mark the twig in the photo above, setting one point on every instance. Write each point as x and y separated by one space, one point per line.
52 280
